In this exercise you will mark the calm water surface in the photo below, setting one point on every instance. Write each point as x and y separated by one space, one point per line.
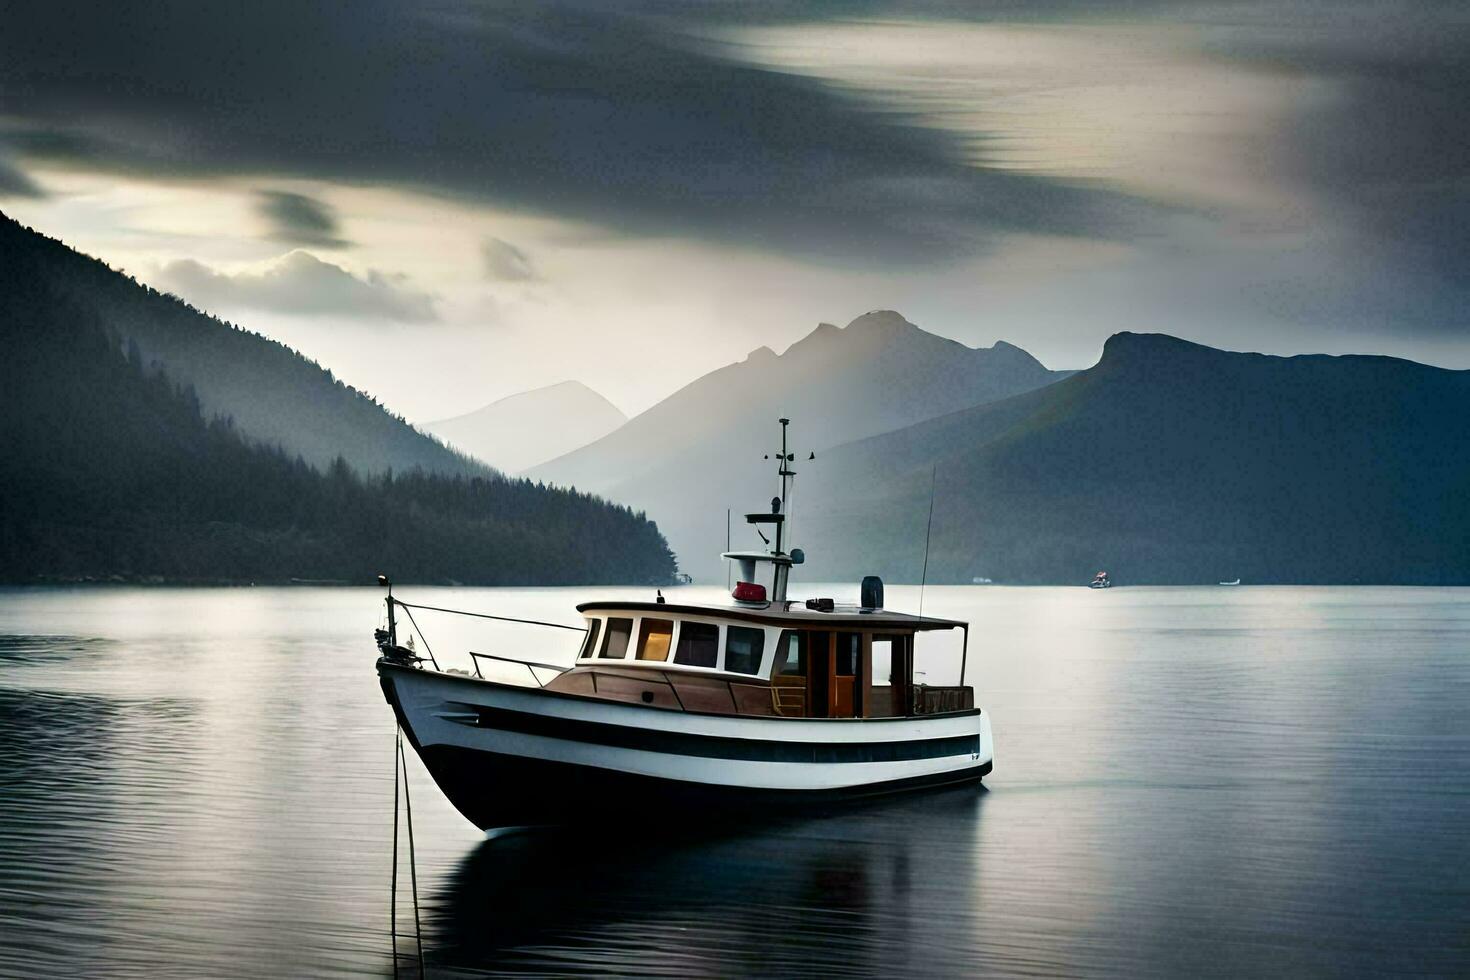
1210 781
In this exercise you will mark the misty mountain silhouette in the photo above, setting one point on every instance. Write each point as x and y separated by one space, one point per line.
272 394
699 451
1168 462
519 431
110 468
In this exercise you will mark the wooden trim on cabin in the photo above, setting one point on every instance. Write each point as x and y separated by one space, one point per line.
387 666
865 678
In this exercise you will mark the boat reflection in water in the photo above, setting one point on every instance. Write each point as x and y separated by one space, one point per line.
873 889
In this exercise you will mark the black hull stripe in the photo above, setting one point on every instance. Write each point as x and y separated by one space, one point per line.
719 746
494 790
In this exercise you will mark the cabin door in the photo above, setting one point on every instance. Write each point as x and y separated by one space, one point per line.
834 664
819 674
844 670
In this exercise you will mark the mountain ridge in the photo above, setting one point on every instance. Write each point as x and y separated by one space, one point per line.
524 429
1171 462
698 451
113 471
274 395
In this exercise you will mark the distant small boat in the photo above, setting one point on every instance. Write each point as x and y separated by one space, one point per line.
981 580
1236 582
1100 581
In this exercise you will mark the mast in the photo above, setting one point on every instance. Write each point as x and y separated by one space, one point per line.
782 569
785 472
387 583
777 556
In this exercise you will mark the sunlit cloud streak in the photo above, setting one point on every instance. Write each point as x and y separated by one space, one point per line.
301 283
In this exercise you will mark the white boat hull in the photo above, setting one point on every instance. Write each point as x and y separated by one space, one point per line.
509 755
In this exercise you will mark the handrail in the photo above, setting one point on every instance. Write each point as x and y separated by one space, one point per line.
503 619
797 702
412 622
530 665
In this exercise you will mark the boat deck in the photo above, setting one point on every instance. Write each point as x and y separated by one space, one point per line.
678 690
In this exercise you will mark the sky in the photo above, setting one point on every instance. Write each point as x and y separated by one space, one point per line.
447 202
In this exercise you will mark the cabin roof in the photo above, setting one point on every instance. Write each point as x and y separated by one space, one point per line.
791 613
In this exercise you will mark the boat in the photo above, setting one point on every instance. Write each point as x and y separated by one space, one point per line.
1100 581
1235 582
667 708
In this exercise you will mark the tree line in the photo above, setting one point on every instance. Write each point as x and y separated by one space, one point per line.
110 469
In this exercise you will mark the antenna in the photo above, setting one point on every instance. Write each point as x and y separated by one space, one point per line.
924 578
777 516
785 472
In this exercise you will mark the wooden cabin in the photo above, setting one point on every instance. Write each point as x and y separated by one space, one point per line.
782 660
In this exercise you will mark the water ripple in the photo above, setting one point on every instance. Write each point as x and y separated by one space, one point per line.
1189 782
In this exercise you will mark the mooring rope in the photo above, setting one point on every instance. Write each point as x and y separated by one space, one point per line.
393 889
413 864
400 759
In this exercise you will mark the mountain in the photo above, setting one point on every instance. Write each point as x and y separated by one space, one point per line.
699 451
1168 462
111 471
273 395
519 431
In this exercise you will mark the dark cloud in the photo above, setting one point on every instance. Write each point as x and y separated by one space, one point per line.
581 112
506 262
299 283
299 219
627 116
1382 145
15 183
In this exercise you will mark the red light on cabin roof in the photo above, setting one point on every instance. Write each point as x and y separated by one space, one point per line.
749 592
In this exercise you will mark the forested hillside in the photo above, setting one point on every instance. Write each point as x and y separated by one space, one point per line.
1168 462
274 396
110 470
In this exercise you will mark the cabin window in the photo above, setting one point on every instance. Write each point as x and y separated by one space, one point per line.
743 648
882 661
615 643
791 654
589 643
849 654
699 645
654 639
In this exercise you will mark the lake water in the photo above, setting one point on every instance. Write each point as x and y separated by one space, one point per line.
1217 781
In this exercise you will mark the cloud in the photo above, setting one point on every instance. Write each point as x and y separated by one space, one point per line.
14 182
299 283
299 219
506 262
1378 142
605 115
646 118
